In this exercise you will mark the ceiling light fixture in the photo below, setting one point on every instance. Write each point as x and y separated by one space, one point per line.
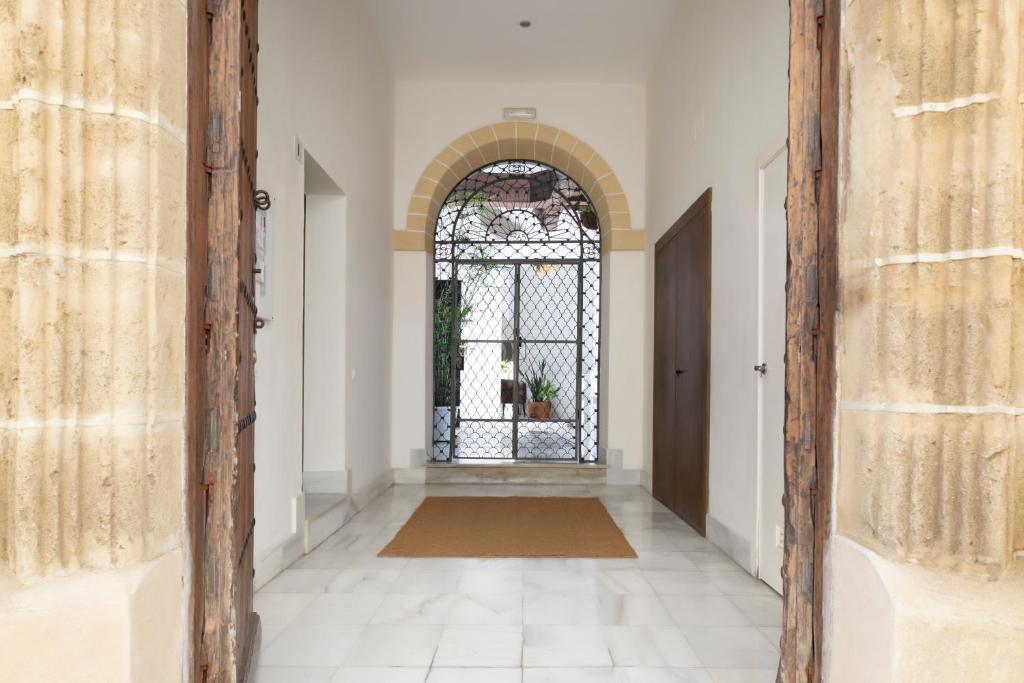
526 23
519 113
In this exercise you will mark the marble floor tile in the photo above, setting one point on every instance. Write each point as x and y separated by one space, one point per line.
414 581
486 609
600 609
561 646
681 611
569 675
623 581
743 675
300 581
480 646
560 581
491 581
380 674
704 610
739 647
773 634
649 646
761 610
277 610
675 582
363 581
474 675
293 674
394 645
740 583
311 644
432 608
616 675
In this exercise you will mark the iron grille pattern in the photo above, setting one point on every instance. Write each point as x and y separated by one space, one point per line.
517 271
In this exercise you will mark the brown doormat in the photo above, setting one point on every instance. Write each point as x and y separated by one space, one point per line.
471 526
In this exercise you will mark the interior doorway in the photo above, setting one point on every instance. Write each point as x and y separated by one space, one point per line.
771 386
682 364
220 176
323 333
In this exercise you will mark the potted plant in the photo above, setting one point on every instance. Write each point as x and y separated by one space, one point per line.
588 217
444 321
542 390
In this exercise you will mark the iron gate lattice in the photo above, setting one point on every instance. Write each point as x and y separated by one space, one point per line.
517 295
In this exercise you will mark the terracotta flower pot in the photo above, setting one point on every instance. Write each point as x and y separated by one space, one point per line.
538 410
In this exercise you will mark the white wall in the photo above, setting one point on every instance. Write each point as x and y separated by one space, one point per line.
716 107
612 118
323 79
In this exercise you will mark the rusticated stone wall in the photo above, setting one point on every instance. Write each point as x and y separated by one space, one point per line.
931 459
92 282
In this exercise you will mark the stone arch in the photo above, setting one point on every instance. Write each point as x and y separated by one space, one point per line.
519 140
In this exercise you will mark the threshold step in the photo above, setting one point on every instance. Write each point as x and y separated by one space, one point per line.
325 514
516 473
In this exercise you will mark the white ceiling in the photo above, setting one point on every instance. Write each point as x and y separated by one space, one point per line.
570 40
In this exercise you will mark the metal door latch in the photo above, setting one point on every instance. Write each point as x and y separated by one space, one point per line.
762 369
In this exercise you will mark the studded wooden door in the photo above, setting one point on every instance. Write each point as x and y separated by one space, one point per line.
221 334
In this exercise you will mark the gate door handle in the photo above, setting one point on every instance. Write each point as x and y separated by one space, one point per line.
762 369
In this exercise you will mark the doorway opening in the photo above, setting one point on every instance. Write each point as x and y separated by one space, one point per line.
517 292
222 322
323 333
771 354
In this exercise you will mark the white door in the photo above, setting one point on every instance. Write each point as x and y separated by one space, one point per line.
771 373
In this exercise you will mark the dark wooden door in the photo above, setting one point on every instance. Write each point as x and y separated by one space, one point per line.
682 316
221 335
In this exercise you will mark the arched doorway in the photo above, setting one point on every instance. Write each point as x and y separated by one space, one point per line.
517 275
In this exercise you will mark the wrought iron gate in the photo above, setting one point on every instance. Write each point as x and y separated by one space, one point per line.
516 318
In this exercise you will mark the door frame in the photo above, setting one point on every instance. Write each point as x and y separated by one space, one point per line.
762 166
811 211
223 643
811 307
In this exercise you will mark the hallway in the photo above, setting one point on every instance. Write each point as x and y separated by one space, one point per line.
682 611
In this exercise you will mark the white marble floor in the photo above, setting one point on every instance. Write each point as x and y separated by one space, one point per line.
682 611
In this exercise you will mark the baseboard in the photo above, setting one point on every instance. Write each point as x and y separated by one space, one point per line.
730 542
409 475
332 512
325 482
284 554
277 559
366 494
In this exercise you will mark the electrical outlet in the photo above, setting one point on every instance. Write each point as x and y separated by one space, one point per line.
780 537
